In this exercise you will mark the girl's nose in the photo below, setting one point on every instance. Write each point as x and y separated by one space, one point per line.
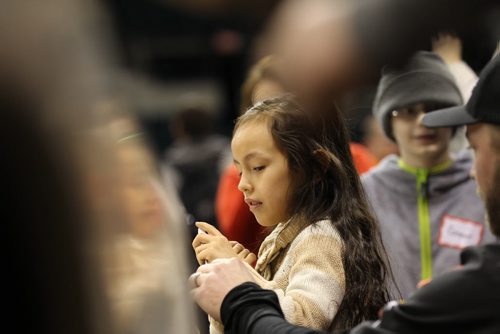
244 186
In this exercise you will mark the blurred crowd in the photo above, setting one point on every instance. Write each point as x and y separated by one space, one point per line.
251 166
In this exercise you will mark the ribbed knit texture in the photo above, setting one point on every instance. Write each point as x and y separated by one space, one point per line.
303 265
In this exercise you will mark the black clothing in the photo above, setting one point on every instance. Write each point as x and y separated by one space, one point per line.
465 300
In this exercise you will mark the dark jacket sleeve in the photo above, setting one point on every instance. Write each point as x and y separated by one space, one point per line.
461 301
249 309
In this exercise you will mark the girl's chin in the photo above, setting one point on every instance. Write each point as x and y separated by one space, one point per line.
266 223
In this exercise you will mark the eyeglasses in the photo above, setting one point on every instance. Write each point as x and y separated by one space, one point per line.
414 111
407 113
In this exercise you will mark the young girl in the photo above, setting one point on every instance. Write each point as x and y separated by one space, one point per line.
324 258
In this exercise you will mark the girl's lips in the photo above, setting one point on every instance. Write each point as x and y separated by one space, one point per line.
252 203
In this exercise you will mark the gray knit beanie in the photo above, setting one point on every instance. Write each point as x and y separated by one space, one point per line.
425 79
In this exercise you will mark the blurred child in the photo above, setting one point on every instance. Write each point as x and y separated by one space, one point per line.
324 258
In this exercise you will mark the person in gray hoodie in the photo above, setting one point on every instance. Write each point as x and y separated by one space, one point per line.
425 199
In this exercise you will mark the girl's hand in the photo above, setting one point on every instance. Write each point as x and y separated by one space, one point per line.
243 253
211 245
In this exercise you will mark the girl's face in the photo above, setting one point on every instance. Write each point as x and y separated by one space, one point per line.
265 176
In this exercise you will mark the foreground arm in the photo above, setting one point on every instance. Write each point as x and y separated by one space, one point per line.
457 302
250 309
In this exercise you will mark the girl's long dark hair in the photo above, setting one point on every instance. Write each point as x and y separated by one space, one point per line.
326 185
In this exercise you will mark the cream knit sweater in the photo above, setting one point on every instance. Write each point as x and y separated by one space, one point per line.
303 265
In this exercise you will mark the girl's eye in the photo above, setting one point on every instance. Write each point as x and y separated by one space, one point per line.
259 168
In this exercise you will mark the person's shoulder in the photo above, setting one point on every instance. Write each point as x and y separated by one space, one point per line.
387 175
484 258
323 229
471 284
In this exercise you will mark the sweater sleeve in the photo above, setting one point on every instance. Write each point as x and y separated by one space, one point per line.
316 282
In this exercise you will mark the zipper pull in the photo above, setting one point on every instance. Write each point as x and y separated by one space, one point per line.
424 189
423 184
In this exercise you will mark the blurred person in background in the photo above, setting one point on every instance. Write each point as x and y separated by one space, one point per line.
196 160
193 164
424 197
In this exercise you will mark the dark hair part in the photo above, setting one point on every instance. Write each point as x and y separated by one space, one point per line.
326 185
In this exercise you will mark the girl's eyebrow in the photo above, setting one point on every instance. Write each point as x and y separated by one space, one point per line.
248 157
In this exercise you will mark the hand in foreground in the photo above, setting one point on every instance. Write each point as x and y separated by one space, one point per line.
212 282
214 245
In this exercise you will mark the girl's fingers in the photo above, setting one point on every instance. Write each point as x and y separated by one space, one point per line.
244 253
208 228
201 238
238 248
200 259
205 256
250 258
201 248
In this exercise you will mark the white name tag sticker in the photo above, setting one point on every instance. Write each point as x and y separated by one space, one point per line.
458 232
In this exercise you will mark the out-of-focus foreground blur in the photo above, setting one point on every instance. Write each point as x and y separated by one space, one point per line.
95 241
115 124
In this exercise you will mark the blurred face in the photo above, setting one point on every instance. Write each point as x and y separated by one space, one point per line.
419 146
486 171
143 205
265 176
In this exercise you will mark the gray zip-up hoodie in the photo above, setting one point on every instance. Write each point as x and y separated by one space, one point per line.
426 216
